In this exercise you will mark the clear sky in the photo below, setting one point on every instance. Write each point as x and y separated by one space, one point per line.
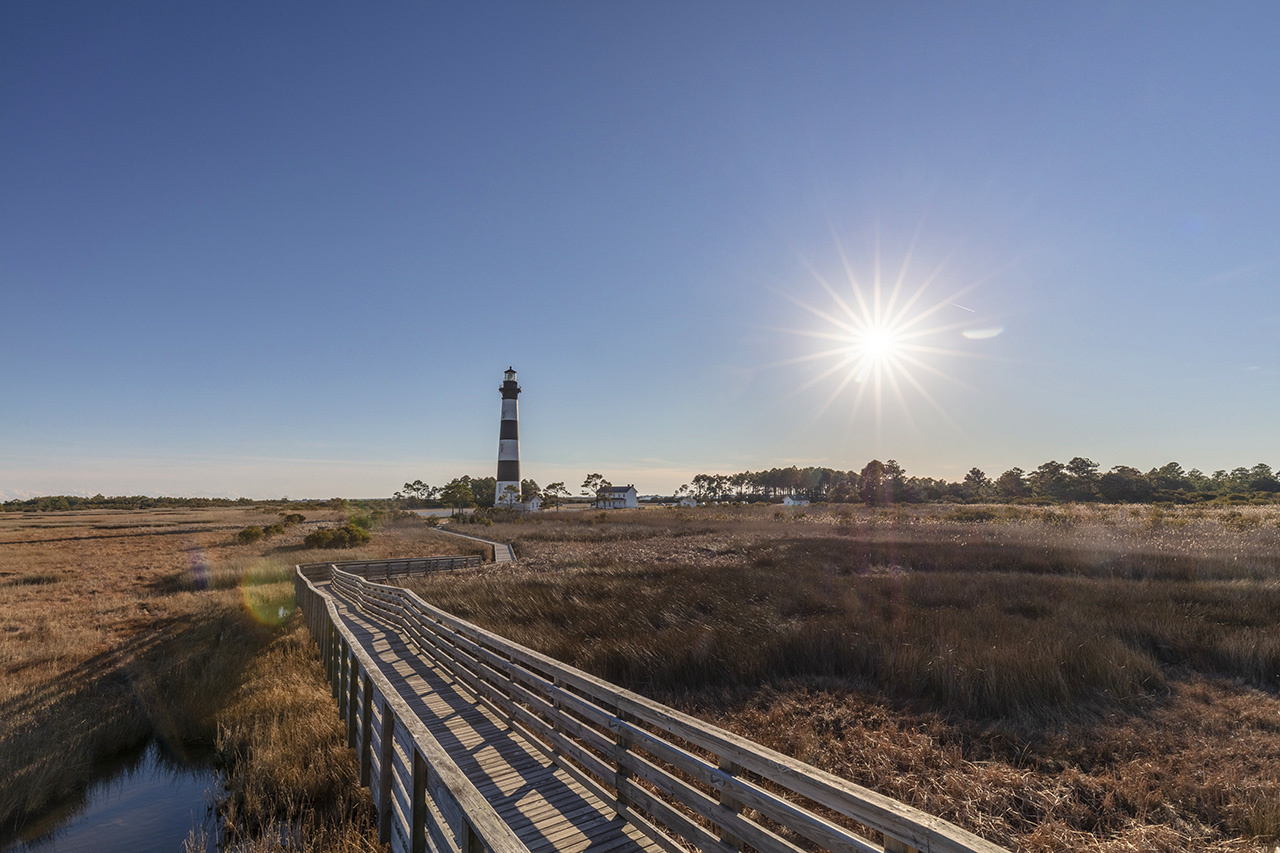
271 249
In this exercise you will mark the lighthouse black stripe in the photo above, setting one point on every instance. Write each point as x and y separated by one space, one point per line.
508 470
509 429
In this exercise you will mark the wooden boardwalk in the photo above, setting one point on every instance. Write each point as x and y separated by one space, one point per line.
469 742
502 551
546 808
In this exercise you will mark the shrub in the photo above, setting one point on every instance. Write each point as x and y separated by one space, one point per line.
347 536
294 518
272 530
322 538
249 535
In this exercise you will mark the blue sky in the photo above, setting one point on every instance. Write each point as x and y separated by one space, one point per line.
288 249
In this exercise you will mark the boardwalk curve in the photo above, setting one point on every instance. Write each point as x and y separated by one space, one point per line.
502 551
472 742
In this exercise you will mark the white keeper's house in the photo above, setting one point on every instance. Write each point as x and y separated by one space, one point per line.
617 497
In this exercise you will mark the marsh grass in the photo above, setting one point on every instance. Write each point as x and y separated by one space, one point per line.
961 621
1074 677
291 780
117 626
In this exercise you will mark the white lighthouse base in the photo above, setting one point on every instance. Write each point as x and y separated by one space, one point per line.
507 494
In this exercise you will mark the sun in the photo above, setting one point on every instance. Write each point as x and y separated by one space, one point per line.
868 351
885 340
874 344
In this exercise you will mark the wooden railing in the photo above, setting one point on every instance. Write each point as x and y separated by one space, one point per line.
387 570
424 800
684 783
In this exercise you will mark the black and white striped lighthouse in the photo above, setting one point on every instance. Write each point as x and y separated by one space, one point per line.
508 444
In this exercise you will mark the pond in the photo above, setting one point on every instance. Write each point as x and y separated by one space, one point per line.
150 798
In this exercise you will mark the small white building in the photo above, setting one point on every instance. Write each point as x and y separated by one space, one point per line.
792 501
687 500
617 497
510 499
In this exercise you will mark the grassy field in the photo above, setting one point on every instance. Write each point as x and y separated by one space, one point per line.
1086 678
1101 679
116 626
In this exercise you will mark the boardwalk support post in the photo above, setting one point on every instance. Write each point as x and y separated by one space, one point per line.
621 775
335 640
366 732
469 842
418 826
344 674
730 803
353 696
387 755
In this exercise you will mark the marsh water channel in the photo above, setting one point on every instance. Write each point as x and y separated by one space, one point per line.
148 798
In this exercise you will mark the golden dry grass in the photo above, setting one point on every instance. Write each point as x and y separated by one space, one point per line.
120 625
292 782
1094 678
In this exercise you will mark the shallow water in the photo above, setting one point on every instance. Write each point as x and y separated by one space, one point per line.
147 799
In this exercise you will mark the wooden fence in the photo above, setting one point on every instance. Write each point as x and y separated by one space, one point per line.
387 570
424 801
686 784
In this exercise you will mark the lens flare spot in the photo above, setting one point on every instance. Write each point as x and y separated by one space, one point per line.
267 593
199 570
982 334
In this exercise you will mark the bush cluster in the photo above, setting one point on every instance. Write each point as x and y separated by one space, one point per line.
253 532
250 535
347 536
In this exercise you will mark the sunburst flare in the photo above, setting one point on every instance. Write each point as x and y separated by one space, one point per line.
884 340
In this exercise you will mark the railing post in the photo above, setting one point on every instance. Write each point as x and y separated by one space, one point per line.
353 695
326 639
344 678
386 757
893 845
335 642
556 725
729 802
418 829
621 774
366 733
322 640
469 842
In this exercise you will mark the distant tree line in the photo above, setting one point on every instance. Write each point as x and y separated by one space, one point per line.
877 483
54 503
462 492
882 483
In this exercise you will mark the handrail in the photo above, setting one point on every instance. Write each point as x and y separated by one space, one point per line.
393 568
675 777
502 551
424 799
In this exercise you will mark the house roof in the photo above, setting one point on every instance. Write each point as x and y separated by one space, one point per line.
622 489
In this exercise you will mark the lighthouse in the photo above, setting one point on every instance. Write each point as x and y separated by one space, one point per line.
508 444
